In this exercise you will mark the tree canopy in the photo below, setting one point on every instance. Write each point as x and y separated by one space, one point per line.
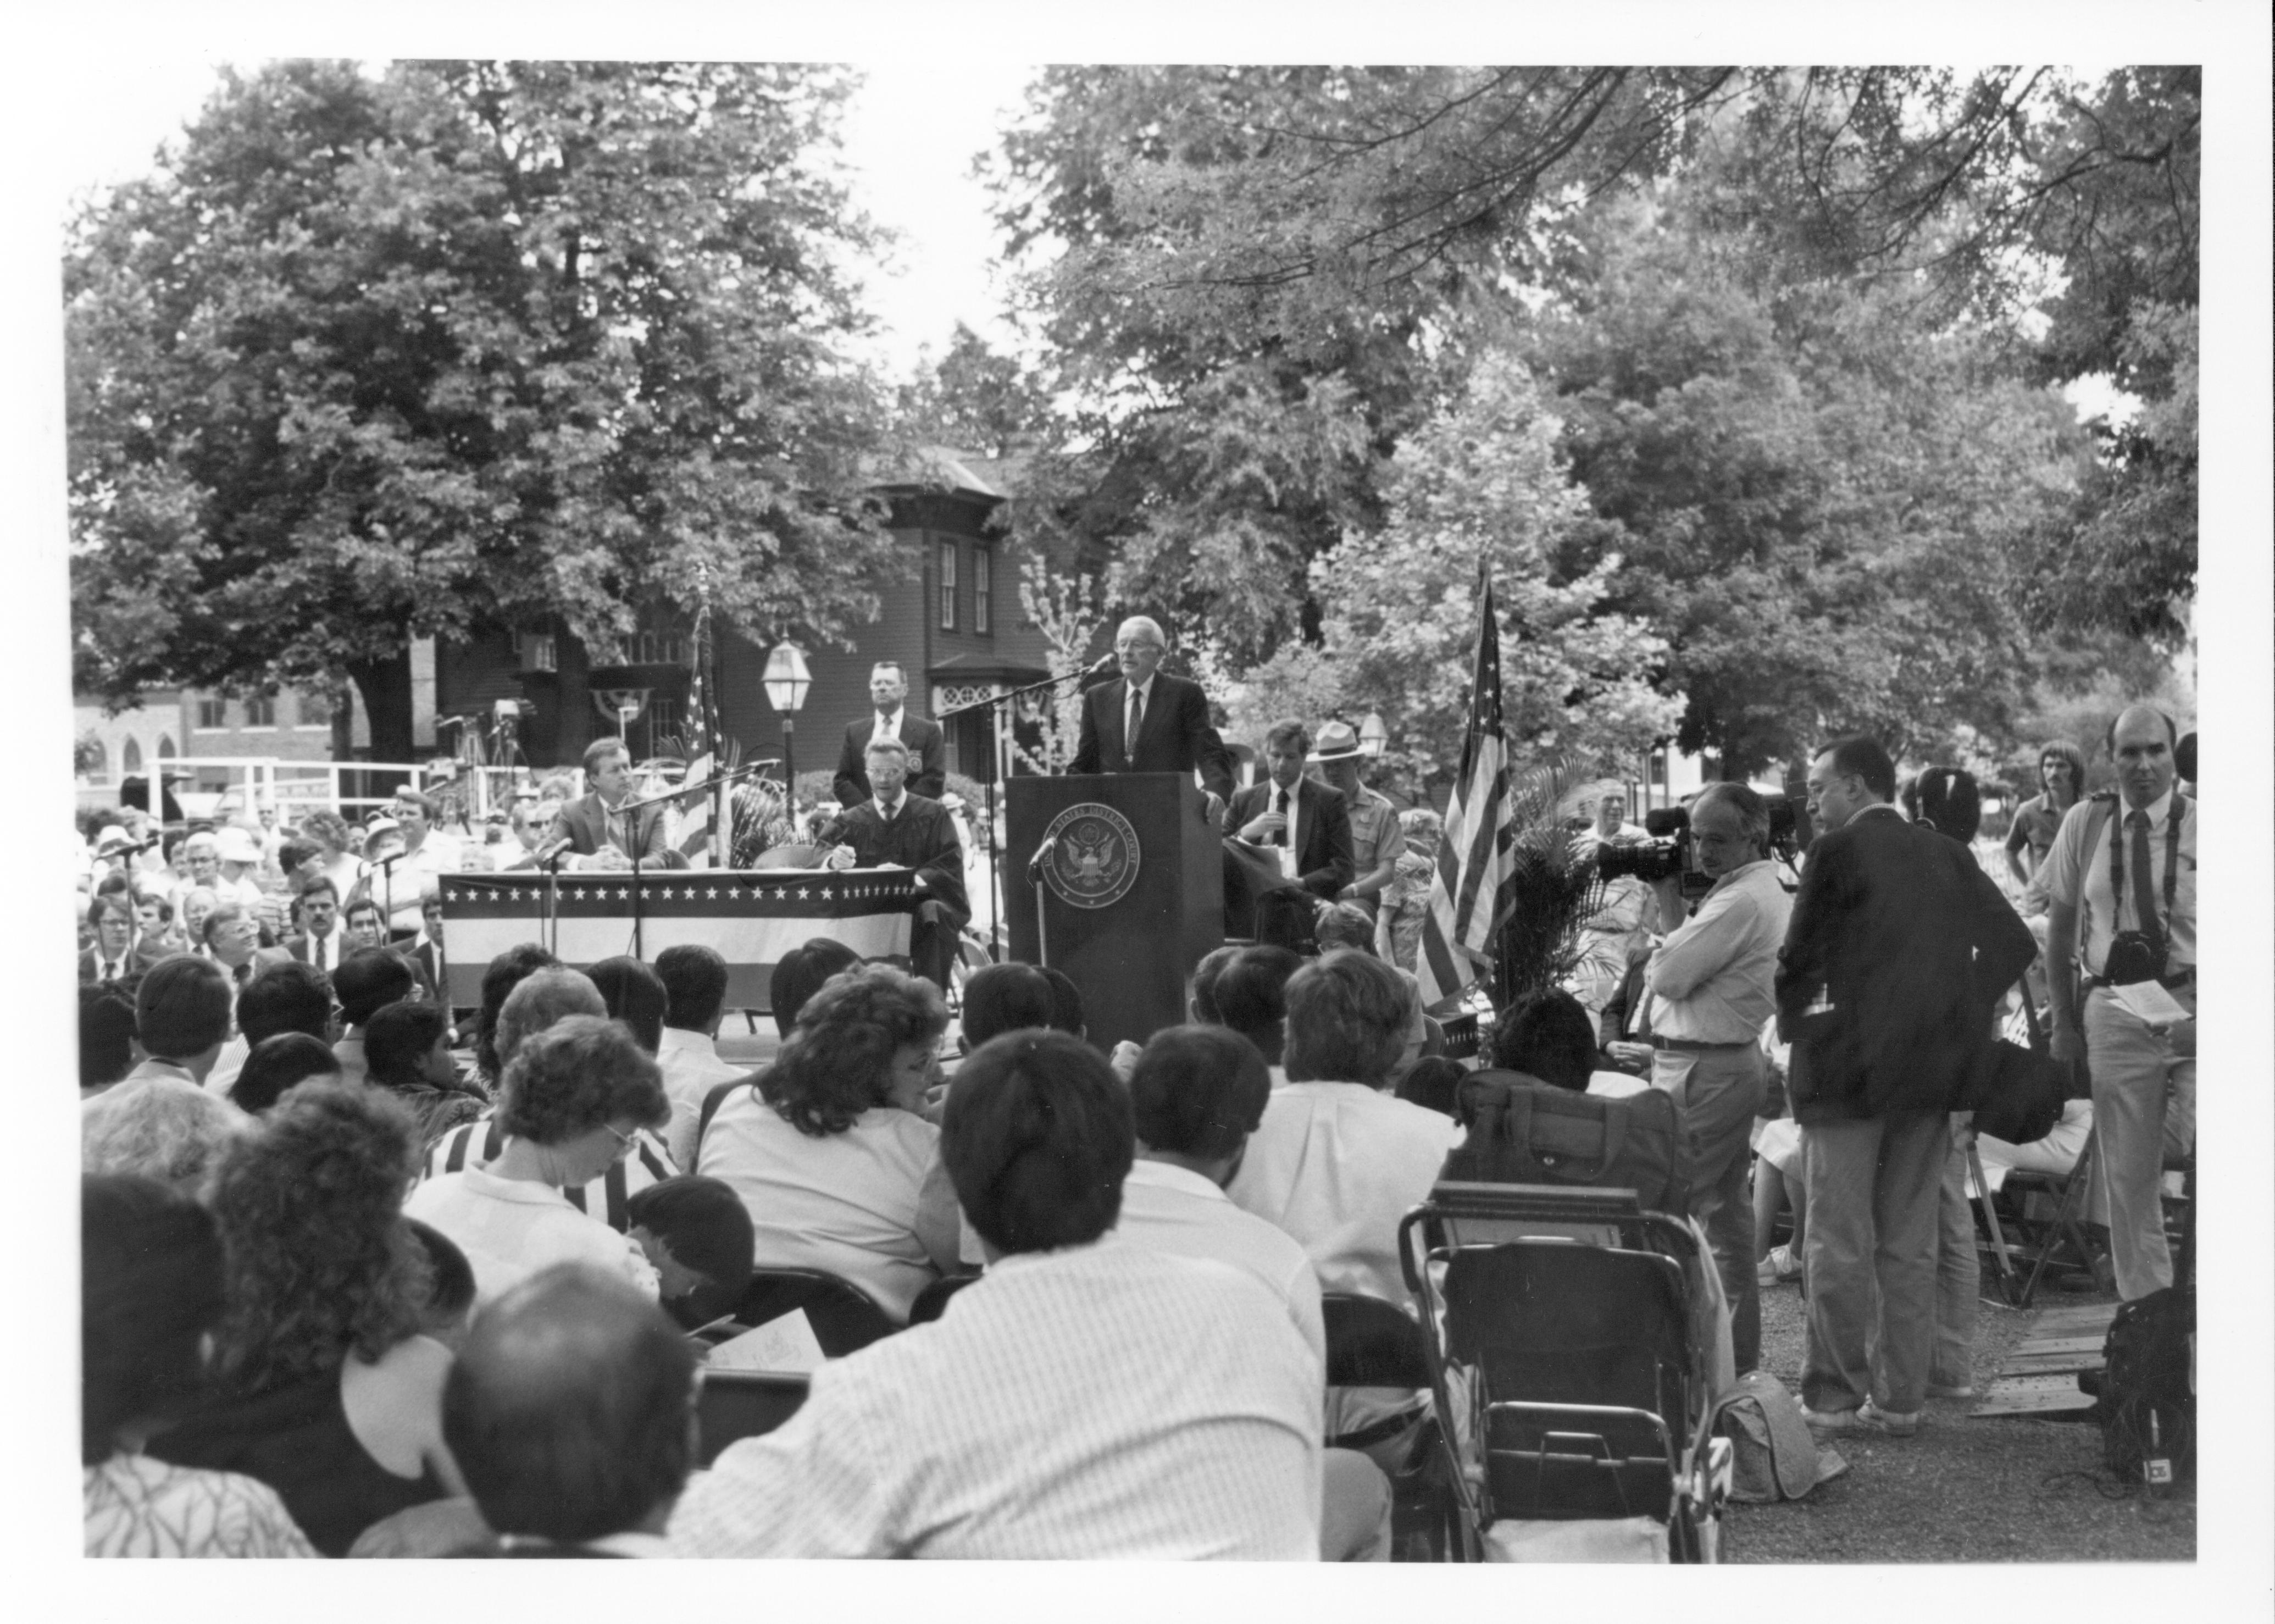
456 346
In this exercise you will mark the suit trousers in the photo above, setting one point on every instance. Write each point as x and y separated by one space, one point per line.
1717 1092
2144 1112
1870 1258
1958 1271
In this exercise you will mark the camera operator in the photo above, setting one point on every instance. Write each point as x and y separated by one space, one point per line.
2122 893
1711 983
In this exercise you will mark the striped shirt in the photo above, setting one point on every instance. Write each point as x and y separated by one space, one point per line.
1104 1400
477 1143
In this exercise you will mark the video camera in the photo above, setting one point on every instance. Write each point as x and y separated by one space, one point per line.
1667 852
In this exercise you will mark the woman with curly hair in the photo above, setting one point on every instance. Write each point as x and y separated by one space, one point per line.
323 1389
571 1105
828 1149
340 854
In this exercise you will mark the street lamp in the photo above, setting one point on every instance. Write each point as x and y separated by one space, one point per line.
1372 736
786 681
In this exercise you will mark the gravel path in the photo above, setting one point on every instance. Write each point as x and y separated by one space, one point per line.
1959 1490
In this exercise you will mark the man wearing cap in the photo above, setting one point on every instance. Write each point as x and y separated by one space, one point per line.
1373 820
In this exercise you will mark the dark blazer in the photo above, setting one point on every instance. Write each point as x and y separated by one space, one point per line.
299 949
927 743
923 837
588 823
1913 944
1325 865
140 957
1175 737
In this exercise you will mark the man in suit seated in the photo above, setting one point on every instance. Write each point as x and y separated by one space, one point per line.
596 836
895 828
926 740
1146 723
1307 825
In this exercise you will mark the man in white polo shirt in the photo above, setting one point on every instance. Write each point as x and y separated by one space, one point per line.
1197 1092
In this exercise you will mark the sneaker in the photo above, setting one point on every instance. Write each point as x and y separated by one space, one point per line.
1942 1390
1778 1267
1888 1421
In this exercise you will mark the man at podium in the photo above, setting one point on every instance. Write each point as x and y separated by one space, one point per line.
894 828
1147 722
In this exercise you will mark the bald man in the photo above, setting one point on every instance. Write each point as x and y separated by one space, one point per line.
571 1411
1147 722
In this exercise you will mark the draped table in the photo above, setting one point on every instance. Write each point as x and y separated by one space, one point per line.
749 918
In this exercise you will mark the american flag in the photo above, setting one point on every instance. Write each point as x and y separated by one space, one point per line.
697 814
1473 859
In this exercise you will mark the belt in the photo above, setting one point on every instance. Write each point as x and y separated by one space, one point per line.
1690 1047
1381 1432
2173 983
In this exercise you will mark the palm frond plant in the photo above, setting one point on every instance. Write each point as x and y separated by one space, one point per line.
1551 888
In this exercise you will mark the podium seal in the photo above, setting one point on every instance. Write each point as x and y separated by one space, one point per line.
1093 855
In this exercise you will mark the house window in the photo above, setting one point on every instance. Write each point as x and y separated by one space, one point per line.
657 648
131 760
97 762
261 711
983 582
948 586
213 713
166 751
536 652
315 710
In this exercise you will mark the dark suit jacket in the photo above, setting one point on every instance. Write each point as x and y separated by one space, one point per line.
1913 944
588 824
140 957
1325 865
299 947
927 743
1175 737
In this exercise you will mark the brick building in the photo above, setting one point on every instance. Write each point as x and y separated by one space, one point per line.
954 623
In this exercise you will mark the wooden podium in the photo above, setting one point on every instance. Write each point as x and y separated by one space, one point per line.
1131 895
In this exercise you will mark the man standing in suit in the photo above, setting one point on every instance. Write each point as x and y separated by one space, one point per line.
896 829
926 741
1146 723
324 942
596 836
1899 946
1307 824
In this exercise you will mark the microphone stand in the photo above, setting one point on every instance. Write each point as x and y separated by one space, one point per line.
630 807
991 704
1042 923
387 876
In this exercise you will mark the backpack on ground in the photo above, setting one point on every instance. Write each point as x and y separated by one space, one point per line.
2147 1401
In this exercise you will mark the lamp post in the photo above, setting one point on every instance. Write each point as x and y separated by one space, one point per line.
786 681
1372 736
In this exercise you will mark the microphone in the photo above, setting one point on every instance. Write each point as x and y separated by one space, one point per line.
549 855
1106 661
1035 863
390 859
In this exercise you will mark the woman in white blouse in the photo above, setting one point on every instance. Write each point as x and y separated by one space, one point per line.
572 1101
829 1151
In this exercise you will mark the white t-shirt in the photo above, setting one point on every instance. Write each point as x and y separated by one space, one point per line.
1171 1209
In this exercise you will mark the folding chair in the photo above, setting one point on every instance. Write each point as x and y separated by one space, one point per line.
1567 1378
734 1404
1371 1343
844 1317
931 1302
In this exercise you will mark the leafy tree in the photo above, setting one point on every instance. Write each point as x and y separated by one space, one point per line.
456 346
974 400
1483 484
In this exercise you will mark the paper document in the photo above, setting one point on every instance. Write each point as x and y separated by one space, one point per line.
784 1345
2150 1002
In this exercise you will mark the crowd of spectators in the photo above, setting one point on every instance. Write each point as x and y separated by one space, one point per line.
366 1275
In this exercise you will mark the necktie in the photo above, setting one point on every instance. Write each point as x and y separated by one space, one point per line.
2145 894
244 972
1288 828
1136 721
324 949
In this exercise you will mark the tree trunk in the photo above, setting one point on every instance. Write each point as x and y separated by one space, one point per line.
385 685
